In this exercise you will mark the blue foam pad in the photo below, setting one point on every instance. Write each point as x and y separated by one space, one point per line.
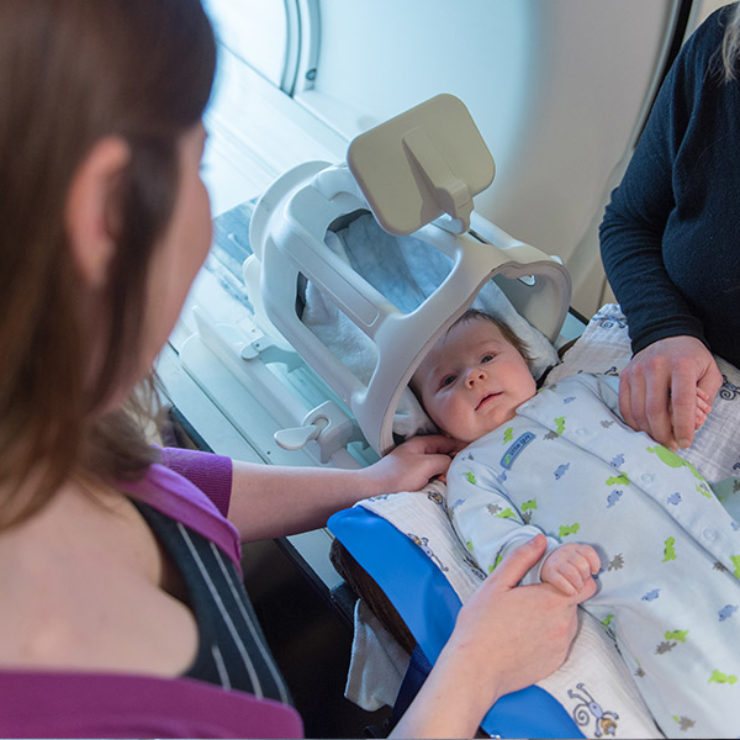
428 605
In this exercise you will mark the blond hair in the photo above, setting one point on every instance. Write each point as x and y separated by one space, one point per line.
730 48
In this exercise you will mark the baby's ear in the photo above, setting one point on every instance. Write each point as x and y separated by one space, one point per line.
92 210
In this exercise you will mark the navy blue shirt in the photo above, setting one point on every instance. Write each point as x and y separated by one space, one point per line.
670 236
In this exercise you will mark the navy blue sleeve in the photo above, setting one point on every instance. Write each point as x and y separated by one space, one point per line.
635 220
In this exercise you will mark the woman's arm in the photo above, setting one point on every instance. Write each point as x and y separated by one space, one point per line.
273 501
631 232
506 637
658 389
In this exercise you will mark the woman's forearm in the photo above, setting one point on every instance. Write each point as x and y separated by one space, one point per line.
273 501
449 704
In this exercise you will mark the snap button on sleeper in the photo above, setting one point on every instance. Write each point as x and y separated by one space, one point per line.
709 534
647 477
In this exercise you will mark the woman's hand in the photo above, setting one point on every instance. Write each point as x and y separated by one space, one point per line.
411 465
506 637
668 388
524 631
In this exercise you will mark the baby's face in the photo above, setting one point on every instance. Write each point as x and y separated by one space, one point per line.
473 380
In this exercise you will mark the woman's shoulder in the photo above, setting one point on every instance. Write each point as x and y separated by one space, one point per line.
210 473
165 488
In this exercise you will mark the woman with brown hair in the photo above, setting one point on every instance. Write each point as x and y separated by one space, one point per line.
122 609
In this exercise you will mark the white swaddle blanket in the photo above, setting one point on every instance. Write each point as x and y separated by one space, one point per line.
406 271
594 674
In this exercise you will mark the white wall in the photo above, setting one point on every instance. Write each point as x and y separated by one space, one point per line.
556 87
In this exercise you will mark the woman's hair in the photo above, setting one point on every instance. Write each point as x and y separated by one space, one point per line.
730 50
71 73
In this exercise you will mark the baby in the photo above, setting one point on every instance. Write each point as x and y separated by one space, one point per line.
665 550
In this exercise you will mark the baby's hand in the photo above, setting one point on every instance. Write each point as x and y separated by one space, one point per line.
569 567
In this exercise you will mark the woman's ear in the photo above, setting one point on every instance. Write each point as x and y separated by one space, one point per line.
91 208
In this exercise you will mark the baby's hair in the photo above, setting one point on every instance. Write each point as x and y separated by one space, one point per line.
474 314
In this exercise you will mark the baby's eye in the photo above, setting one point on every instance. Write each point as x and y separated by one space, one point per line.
447 380
486 358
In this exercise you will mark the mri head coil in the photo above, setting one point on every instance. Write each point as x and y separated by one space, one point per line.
416 174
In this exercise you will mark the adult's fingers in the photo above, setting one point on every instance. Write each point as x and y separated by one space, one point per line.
657 407
635 392
625 399
433 443
683 402
644 398
515 565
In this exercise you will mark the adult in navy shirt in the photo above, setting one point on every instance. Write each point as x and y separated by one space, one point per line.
669 237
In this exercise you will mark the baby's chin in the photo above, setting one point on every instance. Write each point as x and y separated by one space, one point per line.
483 429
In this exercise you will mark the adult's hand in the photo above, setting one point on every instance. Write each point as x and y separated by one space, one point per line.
527 629
506 637
412 464
668 388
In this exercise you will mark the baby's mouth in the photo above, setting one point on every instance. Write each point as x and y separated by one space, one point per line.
485 399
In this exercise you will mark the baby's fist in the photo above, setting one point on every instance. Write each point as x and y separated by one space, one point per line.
569 567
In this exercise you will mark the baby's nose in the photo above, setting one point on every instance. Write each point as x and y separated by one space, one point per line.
474 376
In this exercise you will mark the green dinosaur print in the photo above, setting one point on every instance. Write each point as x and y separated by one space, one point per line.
618 480
508 434
719 677
471 478
507 513
559 424
493 567
469 545
678 635
565 530
531 504
673 460
669 552
703 491
607 620
736 562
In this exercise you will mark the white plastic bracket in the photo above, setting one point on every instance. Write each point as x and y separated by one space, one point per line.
327 424
451 193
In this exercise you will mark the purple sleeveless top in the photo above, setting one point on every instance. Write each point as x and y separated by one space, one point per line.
193 488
